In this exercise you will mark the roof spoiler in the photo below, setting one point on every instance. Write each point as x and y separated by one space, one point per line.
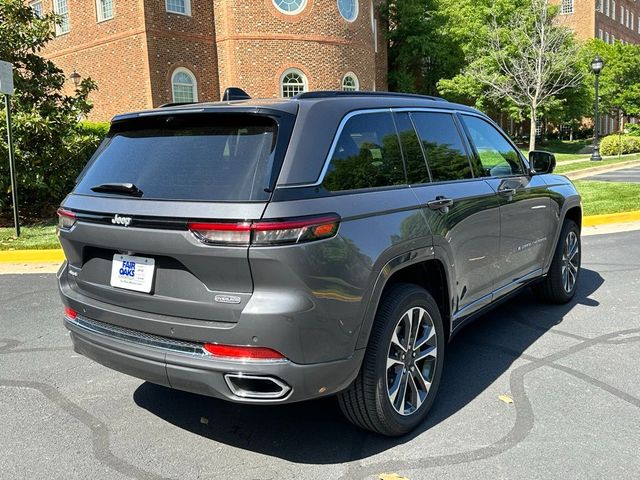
235 93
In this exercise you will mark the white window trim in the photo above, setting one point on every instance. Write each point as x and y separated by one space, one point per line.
59 30
566 7
355 17
299 10
193 77
305 81
99 17
187 8
36 2
355 78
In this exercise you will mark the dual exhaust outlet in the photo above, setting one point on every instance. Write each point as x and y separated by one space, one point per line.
257 387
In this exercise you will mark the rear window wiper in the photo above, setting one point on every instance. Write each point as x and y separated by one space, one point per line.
119 188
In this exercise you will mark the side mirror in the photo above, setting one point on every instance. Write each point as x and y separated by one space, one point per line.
541 162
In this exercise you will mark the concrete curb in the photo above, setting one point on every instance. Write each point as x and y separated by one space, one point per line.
57 256
32 256
609 218
588 172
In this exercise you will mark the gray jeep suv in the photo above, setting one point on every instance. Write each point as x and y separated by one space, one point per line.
272 251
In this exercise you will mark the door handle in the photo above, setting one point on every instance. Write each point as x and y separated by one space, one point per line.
440 203
507 192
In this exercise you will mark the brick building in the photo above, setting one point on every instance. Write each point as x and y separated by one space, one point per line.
144 53
608 20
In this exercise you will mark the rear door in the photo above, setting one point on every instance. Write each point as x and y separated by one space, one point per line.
462 211
173 194
526 223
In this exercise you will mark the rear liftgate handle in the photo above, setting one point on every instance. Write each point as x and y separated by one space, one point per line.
441 204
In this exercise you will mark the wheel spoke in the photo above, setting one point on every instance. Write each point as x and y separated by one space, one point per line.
395 341
408 326
400 399
429 335
430 351
422 382
416 393
395 387
392 362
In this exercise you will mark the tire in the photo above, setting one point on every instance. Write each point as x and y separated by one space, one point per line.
560 284
367 403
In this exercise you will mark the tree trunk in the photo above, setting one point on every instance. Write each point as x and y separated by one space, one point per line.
532 131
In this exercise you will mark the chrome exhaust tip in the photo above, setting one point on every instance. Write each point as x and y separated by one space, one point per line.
256 387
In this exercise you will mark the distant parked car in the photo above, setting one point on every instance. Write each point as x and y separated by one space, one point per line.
272 251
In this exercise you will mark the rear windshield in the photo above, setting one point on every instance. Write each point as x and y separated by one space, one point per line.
209 158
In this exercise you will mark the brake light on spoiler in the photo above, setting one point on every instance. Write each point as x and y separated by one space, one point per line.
267 232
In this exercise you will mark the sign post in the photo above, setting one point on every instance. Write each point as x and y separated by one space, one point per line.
6 88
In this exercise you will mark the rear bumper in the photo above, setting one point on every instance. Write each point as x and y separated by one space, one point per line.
147 358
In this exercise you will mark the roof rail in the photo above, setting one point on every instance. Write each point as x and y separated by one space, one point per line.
175 104
341 93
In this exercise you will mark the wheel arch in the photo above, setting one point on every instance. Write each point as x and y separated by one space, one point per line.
430 274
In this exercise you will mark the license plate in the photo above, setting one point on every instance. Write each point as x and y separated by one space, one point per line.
132 273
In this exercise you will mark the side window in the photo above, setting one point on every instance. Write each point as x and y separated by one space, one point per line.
417 171
443 147
367 155
497 156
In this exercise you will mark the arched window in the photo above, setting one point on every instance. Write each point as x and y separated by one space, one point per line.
292 82
290 7
348 9
184 86
350 82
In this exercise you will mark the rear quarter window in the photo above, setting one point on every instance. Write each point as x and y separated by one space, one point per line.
210 158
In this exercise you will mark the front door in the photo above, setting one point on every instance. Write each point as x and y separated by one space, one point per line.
526 224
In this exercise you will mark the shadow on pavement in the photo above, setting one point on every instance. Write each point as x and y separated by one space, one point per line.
316 433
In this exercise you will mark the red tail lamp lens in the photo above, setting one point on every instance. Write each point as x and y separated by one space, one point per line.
66 219
267 232
70 313
242 353
222 233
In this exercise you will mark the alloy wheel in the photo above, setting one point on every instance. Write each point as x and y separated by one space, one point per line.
411 361
570 262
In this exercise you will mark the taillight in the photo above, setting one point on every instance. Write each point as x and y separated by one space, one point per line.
66 219
70 313
233 352
268 232
222 233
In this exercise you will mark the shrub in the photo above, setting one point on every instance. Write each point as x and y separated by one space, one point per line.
619 144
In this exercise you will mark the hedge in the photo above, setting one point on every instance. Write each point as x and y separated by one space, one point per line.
619 144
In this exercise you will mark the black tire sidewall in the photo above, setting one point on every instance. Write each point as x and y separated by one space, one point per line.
408 297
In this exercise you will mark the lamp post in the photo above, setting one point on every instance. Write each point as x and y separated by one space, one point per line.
597 64
75 77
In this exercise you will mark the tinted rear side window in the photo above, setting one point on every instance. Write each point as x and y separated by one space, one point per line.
367 155
417 172
212 158
443 147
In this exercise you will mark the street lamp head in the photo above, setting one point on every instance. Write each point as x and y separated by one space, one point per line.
597 64
75 77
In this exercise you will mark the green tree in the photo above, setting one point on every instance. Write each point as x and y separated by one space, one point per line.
49 144
524 61
619 79
420 51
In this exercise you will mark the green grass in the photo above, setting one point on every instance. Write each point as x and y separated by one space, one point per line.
563 149
572 167
608 197
31 238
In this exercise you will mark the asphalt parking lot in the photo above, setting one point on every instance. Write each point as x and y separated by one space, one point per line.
572 372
